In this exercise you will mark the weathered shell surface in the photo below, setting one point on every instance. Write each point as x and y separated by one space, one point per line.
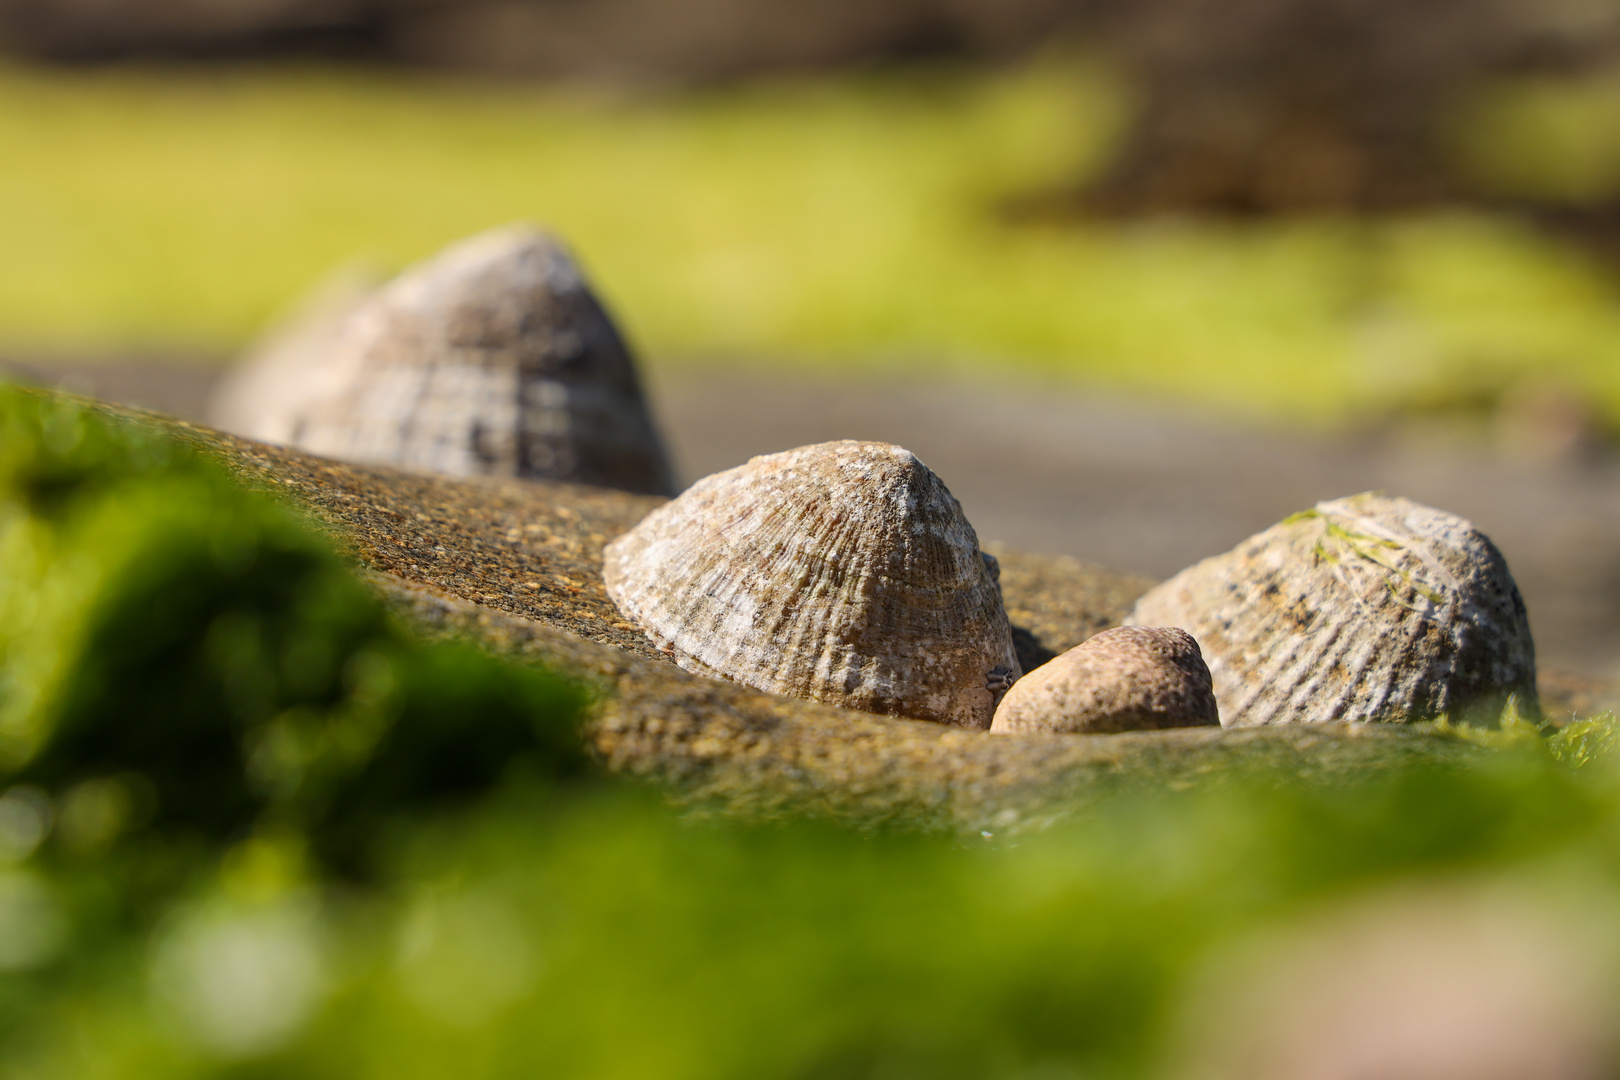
493 358
1364 608
263 395
1130 678
843 572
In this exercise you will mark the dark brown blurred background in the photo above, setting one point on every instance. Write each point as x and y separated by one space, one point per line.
641 39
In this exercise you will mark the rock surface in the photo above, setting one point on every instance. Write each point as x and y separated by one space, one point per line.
843 572
491 359
515 566
1130 678
1364 608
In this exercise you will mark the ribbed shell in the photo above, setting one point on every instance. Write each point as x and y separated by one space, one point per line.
1130 678
843 572
1365 608
493 358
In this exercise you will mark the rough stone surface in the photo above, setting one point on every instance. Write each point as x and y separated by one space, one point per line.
491 359
722 748
516 567
843 572
1130 678
1364 608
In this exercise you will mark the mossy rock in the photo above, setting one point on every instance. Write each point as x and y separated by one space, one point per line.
516 566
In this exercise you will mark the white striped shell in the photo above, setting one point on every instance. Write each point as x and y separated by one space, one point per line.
843 572
1364 608
492 358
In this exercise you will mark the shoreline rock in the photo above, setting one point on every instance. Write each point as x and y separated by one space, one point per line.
515 566
1129 678
722 749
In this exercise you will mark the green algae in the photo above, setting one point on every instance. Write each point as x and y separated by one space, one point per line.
539 920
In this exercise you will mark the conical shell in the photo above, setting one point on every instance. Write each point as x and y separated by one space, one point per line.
1365 608
1130 678
843 572
493 358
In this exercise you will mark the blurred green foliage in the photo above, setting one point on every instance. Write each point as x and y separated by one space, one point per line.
1555 140
250 829
185 660
826 224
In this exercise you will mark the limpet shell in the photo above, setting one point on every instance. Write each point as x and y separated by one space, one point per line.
1130 678
493 358
1364 608
843 572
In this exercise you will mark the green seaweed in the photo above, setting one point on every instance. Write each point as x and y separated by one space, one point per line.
1369 549
1586 743
201 657
249 828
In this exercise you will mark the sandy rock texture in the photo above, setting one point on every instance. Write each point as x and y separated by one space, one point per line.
1130 678
515 566
1363 608
721 748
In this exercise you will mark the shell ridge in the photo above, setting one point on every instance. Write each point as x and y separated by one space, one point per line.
412 420
1298 683
793 628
